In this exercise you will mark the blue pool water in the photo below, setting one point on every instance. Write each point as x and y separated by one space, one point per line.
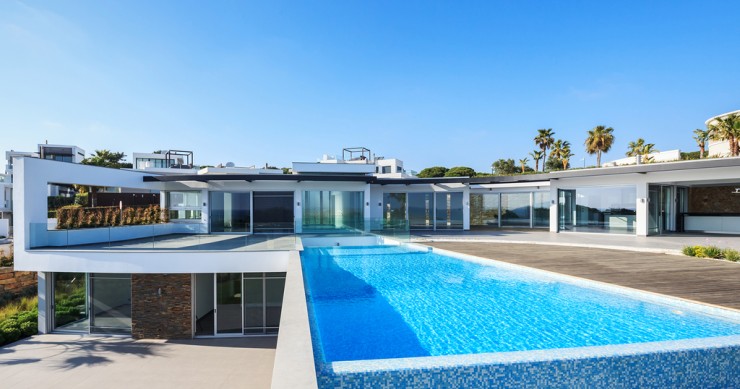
393 302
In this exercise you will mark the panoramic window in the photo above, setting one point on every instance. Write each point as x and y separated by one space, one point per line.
184 205
515 209
230 212
332 210
598 209
484 210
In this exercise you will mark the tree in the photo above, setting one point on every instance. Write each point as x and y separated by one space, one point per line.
642 149
701 137
600 140
565 156
107 158
536 156
523 163
727 128
544 140
434 171
460 171
504 167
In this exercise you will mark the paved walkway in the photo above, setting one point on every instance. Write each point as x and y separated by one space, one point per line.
668 244
73 361
705 280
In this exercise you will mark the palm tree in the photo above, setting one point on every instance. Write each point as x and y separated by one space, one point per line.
600 140
635 147
727 128
558 149
523 162
701 137
641 149
544 140
565 155
536 156
647 150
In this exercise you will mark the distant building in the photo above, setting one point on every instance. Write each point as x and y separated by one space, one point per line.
719 148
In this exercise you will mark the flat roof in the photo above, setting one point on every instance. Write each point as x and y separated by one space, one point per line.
537 177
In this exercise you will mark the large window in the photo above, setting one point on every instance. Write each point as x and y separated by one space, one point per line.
394 209
541 209
229 212
247 303
421 211
484 210
449 213
70 302
515 209
273 211
158 163
110 299
332 210
184 205
598 209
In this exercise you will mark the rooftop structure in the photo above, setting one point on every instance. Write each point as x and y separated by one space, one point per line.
720 148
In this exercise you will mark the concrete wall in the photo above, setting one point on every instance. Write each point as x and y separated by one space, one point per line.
161 306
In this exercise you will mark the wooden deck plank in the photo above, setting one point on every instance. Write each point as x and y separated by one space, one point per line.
703 280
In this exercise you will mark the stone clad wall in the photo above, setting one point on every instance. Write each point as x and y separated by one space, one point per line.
16 281
714 199
161 306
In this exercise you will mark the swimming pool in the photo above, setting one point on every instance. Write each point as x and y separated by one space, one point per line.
397 304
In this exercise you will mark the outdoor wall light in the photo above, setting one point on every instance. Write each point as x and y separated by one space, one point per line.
380 204
552 202
642 200
367 203
298 204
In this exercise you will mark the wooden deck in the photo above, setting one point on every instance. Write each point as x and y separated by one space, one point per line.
703 280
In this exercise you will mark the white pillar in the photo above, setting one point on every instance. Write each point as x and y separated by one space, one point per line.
367 208
297 210
466 208
43 320
553 206
641 206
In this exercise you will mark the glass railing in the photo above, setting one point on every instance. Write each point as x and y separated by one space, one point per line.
168 236
195 236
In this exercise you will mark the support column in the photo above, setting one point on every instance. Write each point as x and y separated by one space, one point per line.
44 320
641 206
553 206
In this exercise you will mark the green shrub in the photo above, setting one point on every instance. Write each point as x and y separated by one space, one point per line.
731 255
699 251
712 252
689 250
29 329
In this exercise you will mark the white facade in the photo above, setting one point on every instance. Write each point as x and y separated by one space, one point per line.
661 156
718 148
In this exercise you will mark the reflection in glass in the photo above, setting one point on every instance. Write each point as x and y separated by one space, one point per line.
70 302
332 210
229 212
484 210
541 209
420 211
515 209
110 296
254 304
273 212
449 213
229 303
598 209
394 209
274 289
204 308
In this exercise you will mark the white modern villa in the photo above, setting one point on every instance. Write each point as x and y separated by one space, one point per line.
216 265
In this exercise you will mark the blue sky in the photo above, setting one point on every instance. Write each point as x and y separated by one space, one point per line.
432 83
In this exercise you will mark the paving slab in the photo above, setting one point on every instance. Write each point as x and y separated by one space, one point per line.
57 360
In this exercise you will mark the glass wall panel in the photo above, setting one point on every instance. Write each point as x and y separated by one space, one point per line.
653 210
598 209
541 209
254 304
204 304
421 211
228 303
484 210
334 211
449 210
70 302
274 288
273 212
230 212
394 209
184 205
515 209
110 296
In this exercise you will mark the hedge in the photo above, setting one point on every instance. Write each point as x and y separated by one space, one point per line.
74 217
19 326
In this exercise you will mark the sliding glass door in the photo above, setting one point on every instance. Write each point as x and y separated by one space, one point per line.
230 212
228 304
97 303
